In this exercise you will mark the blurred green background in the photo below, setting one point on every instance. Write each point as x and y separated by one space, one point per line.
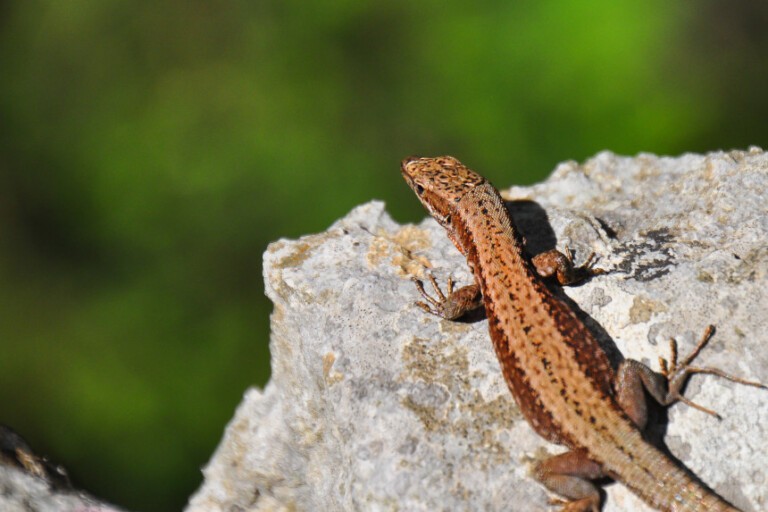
151 150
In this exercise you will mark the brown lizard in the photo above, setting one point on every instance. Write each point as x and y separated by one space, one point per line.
557 372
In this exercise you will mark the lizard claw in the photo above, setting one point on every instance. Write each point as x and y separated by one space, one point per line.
449 305
433 305
588 267
582 505
677 373
560 264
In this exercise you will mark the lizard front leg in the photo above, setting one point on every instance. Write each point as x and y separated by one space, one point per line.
455 303
555 263
452 305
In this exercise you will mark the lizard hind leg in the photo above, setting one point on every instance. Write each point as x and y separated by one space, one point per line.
633 379
569 475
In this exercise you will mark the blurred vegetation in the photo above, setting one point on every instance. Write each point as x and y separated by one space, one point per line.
149 151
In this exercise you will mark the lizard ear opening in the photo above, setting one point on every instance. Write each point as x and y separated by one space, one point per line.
419 189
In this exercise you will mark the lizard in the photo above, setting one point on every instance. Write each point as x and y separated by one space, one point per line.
557 372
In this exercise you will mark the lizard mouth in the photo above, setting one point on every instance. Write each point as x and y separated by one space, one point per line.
405 171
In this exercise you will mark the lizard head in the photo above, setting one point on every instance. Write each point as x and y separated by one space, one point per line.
439 183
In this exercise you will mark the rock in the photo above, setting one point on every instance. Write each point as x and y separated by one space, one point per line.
30 482
23 492
374 405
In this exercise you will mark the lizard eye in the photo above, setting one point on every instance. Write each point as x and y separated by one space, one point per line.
419 189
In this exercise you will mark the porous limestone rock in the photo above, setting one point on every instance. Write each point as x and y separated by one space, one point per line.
374 405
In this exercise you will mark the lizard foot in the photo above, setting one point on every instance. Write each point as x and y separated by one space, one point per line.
571 476
560 265
677 373
451 305
582 505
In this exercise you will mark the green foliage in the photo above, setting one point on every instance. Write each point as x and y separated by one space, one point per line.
151 150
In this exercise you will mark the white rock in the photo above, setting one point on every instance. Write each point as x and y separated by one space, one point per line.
374 405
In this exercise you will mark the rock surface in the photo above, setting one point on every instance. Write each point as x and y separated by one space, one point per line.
30 482
374 405
22 492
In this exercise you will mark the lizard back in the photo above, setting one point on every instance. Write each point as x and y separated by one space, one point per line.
559 375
